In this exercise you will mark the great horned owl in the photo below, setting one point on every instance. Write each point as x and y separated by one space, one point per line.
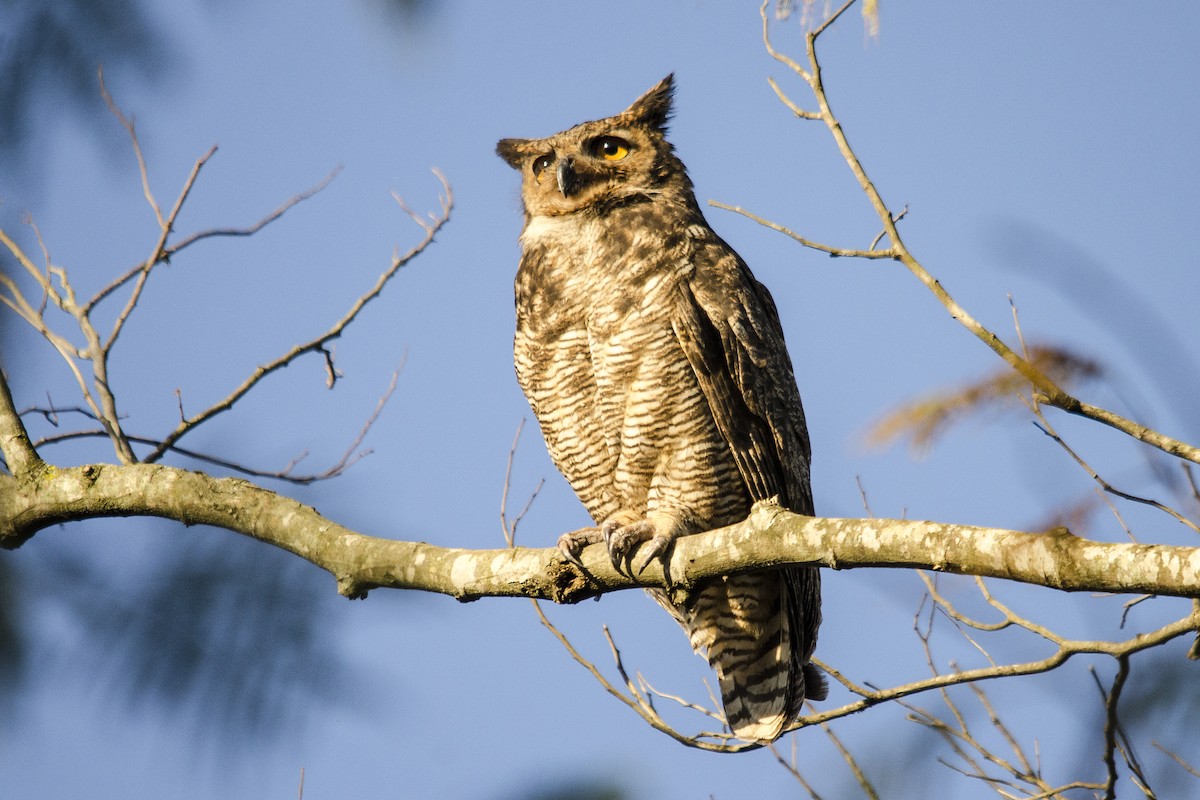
656 365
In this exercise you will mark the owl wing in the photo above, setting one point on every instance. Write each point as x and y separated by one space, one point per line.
729 329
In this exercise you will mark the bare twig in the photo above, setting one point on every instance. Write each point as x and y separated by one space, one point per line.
1045 427
350 457
1049 390
648 690
1066 649
1022 777
1191 479
715 742
790 766
510 530
34 315
248 230
836 252
319 343
1128 605
1195 773
156 255
287 474
52 413
127 124
856 770
879 236
1110 726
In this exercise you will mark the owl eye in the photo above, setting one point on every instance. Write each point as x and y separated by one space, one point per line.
611 148
541 162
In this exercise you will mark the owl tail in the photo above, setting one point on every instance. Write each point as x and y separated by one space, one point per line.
758 631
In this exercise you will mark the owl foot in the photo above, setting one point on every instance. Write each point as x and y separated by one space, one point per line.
571 544
622 540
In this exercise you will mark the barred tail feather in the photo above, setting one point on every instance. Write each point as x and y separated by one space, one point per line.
757 631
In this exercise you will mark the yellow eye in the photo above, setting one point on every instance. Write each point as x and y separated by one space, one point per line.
610 148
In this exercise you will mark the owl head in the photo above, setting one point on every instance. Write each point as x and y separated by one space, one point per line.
601 165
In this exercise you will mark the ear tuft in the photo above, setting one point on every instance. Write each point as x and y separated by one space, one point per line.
512 151
654 107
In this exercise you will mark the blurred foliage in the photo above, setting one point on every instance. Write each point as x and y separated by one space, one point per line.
222 628
1110 296
50 50
814 13
925 419
582 790
12 645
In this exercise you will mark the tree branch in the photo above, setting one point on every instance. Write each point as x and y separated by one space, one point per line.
770 537
20 456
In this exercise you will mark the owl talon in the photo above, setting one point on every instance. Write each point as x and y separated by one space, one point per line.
622 541
656 550
616 545
571 544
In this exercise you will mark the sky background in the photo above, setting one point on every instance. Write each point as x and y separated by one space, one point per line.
1046 153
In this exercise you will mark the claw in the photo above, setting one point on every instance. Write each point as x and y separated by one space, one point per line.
569 550
571 544
622 541
655 550
612 543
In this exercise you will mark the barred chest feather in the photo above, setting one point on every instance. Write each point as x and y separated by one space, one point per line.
597 355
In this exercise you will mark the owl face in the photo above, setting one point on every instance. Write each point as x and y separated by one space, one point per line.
601 165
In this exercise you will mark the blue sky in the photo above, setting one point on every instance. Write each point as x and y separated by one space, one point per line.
1045 151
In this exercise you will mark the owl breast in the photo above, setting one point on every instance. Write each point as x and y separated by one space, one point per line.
620 407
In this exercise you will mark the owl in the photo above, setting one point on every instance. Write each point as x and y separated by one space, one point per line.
656 366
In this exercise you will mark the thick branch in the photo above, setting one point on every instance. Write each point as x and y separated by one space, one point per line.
20 456
769 537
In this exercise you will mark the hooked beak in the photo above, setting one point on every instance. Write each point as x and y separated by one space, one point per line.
567 180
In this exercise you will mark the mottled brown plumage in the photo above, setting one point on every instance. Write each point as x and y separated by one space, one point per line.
656 365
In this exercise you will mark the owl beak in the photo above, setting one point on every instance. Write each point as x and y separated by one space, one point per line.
568 182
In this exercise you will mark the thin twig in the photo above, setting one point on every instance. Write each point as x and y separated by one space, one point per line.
510 533
317 344
835 252
128 125
156 255
1110 724
1044 426
1195 773
187 241
649 690
287 474
715 742
856 770
1191 479
790 766
1051 392
350 457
